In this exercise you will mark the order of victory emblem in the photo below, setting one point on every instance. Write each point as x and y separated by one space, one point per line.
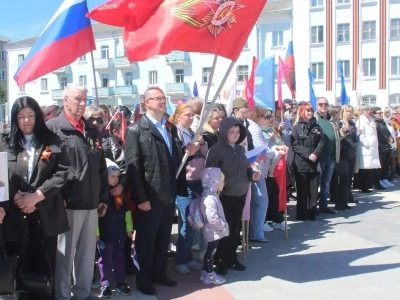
220 17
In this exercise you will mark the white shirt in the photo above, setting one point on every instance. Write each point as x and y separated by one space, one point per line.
28 145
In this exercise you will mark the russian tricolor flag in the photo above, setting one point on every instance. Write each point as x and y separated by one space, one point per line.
257 154
66 37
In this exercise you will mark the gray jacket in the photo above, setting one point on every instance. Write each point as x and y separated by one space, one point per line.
231 159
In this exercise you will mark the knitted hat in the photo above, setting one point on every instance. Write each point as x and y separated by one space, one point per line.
112 167
240 103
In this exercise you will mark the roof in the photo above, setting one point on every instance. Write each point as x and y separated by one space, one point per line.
4 39
98 28
277 6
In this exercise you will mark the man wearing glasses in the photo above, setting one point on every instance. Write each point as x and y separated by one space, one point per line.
153 153
331 152
51 112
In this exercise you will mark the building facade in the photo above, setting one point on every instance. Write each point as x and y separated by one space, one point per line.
3 77
324 31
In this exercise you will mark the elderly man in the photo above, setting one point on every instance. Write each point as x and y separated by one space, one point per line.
85 195
51 112
153 153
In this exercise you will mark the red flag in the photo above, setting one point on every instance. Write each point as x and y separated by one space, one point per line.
250 84
186 25
280 178
121 116
283 70
290 77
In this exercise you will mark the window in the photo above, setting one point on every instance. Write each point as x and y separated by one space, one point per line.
206 75
368 100
104 52
318 70
22 89
105 80
277 38
153 80
317 3
21 58
343 1
179 76
63 82
395 28
343 32
82 58
2 75
395 65
43 84
242 73
369 67
82 80
369 30
339 100
2 54
394 99
128 78
346 69
317 34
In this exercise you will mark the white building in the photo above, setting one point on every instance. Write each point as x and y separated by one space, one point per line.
324 31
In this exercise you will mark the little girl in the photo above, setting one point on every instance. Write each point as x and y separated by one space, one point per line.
215 225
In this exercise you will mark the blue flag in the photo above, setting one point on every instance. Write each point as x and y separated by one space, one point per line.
313 99
195 90
170 107
264 85
343 94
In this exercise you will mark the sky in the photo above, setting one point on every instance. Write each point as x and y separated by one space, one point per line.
21 19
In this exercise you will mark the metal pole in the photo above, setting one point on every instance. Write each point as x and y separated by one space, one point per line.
209 84
94 79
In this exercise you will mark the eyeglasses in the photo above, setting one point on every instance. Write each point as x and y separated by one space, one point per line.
323 104
159 98
98 120
267 117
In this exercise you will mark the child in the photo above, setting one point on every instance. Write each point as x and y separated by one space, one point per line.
215 226
113 227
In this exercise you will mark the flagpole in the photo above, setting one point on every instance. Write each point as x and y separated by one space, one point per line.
210 79
94 79
207 114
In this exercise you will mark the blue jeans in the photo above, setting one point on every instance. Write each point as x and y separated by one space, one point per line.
258 209
327 165
185 231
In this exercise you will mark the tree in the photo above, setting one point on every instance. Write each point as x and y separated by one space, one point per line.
3 96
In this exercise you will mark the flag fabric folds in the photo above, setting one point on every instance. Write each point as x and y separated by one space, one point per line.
343 94
180 25
290 78
170 107
283 70
359 84
230 96
195 90
280 178
313 99
264 84
52 50
249 88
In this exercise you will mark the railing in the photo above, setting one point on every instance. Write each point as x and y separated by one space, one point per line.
103 62
126 90
56 94
177 88
177 57
103 91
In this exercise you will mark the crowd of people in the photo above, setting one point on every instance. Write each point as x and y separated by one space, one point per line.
81 190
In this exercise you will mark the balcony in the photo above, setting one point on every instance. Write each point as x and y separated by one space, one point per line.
103 91
57 94
63 70
176 58
103 63
177 89
126 90
122 62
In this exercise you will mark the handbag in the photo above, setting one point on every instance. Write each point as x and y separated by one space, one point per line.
8 268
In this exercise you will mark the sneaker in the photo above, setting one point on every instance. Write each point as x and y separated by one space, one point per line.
261 240
238 266
96 284
172 247
387 183
383 184
212 278
194 265
182 269
281 226
123 289
203 274
267 228
106 292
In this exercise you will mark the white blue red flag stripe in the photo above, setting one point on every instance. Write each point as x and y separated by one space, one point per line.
66 37
257 154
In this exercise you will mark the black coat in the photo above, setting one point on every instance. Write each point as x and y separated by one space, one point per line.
307 139
146 159
383 133
49 176
88 179
210 138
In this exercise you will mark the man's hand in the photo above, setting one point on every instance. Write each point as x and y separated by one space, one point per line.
256 176
19 195
281 126
117 190
313 157
145 206
191 149
200 139
345 127
2 215
130 234
101 211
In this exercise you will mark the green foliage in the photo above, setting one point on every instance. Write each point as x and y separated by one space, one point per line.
3 95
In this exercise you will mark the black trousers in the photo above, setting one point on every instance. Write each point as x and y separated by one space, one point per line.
384 158
273 213
307 194
208 263
233 209
364 179
153 235
340 186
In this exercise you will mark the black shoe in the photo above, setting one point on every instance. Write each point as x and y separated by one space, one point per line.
221 269
166 282
340 207
365 191
327 210
106 292
347 206
123 289
379 187
147 290
237 266
171 255
352 200
390 179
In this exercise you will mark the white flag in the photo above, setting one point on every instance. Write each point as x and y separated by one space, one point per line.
230 96
359 85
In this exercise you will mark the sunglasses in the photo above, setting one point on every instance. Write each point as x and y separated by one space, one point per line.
98 120
323 104
267 117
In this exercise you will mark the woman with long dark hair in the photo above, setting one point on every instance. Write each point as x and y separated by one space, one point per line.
35 210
